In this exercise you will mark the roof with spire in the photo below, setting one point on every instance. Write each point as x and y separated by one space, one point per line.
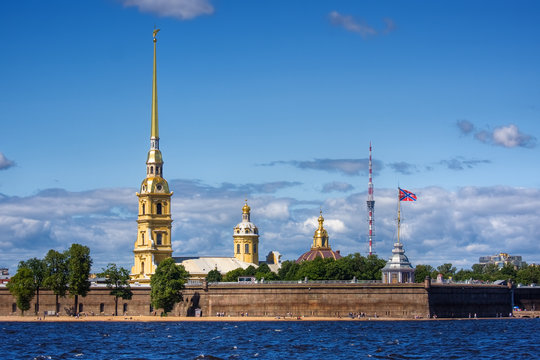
246 227
321 247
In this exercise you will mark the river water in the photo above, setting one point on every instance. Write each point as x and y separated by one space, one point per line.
443 339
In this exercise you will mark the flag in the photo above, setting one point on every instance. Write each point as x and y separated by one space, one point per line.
405 195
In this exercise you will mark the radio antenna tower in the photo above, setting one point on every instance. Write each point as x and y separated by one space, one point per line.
370 204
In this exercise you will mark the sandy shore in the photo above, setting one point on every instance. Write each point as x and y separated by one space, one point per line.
195 319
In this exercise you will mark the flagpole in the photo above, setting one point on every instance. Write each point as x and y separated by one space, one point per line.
398 215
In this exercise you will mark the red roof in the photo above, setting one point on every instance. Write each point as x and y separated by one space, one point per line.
323 253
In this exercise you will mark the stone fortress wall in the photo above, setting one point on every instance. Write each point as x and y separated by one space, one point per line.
406 301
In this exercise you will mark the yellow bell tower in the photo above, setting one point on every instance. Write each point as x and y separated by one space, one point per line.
246 239
153 242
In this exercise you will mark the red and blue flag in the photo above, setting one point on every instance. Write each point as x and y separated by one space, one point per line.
405 195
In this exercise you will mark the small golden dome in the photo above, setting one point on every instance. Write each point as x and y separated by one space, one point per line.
246 209
320 238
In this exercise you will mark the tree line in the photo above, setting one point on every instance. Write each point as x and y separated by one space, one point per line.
347 268
64 273
526 275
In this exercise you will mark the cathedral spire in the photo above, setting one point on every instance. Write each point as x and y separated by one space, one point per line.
154 223
154 133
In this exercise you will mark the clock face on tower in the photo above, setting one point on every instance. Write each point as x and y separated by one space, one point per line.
159 187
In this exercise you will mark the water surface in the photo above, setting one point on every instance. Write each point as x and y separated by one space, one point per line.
449 339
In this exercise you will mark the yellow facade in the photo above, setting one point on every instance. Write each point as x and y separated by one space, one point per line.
153 242
246 239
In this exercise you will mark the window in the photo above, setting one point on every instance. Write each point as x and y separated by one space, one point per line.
254 248
238 248
143 208
247 249
159 236
142 267
142 238
101 307
151 169
158 208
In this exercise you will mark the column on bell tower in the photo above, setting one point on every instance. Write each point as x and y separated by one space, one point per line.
246 238
154 221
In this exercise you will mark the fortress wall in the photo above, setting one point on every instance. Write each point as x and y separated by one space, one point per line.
527 298
405 300
458 300
328 300
139 304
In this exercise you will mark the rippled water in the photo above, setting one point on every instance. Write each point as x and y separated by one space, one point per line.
454 339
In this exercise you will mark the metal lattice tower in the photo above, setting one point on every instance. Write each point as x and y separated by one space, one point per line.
370 204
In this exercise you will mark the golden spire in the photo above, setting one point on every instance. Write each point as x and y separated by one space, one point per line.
154 134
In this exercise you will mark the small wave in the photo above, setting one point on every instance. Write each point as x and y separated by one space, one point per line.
210 357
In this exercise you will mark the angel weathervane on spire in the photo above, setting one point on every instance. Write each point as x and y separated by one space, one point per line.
155 33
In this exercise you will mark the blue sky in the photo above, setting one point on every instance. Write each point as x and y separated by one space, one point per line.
277 102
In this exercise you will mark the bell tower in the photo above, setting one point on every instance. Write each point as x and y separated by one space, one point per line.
246 239
153 242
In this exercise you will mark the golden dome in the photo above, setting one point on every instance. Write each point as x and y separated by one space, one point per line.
246 209
154 184
320 238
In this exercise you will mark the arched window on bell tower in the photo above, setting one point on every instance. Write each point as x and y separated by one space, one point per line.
159 209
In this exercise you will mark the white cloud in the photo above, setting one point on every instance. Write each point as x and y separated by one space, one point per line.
358 25
337 186
508 136
5 163
180 9
442 226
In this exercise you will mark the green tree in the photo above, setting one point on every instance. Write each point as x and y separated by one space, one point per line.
314 269
529 275
447 270
56 274
21 286
373 268
508 272
490 272
233 275
214 276
421 271
478 272
38 269
250 271
79 265
263 271
166 284
463 275
289 270
117 280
